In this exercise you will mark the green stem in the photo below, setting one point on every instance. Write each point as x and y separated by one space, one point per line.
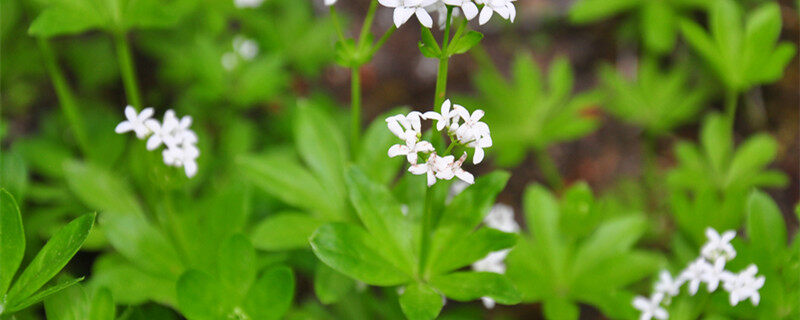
336 24
730 106
367 22
450 147
65 97
382 40
427 226
549 169
126 67
355 107
441 76
650 169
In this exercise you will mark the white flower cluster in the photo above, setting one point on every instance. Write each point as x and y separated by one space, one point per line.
422 9
174 133
472 133
501 217
243 49
709 268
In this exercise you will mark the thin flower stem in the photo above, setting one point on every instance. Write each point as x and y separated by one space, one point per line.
355 107
441 76
65 97
382 40
450 147
549 169
126 67
427 225
730 106
336 25
367 22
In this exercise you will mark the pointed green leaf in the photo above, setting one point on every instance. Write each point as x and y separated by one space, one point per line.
586 11
271 295
467 286
428 45
43 294
12 239
329 285
68 304
284 231
54 255
321 146
102 307
466 42
765 228
199 296
100 189
560 308
351 250
236 266
471 248
420 301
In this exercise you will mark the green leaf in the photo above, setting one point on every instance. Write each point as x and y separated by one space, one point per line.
717 141
100 189
69 304
321 146
750 158
271 295
467 286
466 42
420 301
285 179
382 216
611 238
199 296
726 28
284 231
54 255
102 307
560 308
14 174
141 243
351 250
542 215
236 266
659 26
374 144
43 294
12 239
762 29
586 11
765 228
428 45
329 285
129 284
67 17
471 248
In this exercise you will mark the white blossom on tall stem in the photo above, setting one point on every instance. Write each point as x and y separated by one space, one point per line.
135 122
668 285
469 7
447 119
651 308
695 273
404 9
504 8
473 133
410 149
427 168
743 285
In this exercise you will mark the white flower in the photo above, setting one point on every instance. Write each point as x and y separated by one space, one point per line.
163 132
650 308
330 2
459 172
229 61
443 166
440 10
184 156
473 133
410 149
695 274
404 9
718 245
245 48
406 127
447 119
469 8
248 3
667 285
713 275
505 8
428 167
135 122
744 285
501 217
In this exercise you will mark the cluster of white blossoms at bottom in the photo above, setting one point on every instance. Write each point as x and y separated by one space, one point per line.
709 268
176 134
500 217
471 133
244 49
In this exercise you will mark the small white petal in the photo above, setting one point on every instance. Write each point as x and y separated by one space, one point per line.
486 14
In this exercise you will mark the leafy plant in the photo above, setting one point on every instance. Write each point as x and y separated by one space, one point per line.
575 252
742 56
778 260
76 303
658 20
533 115
386 250
234 291
710 184
657 100
24 291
